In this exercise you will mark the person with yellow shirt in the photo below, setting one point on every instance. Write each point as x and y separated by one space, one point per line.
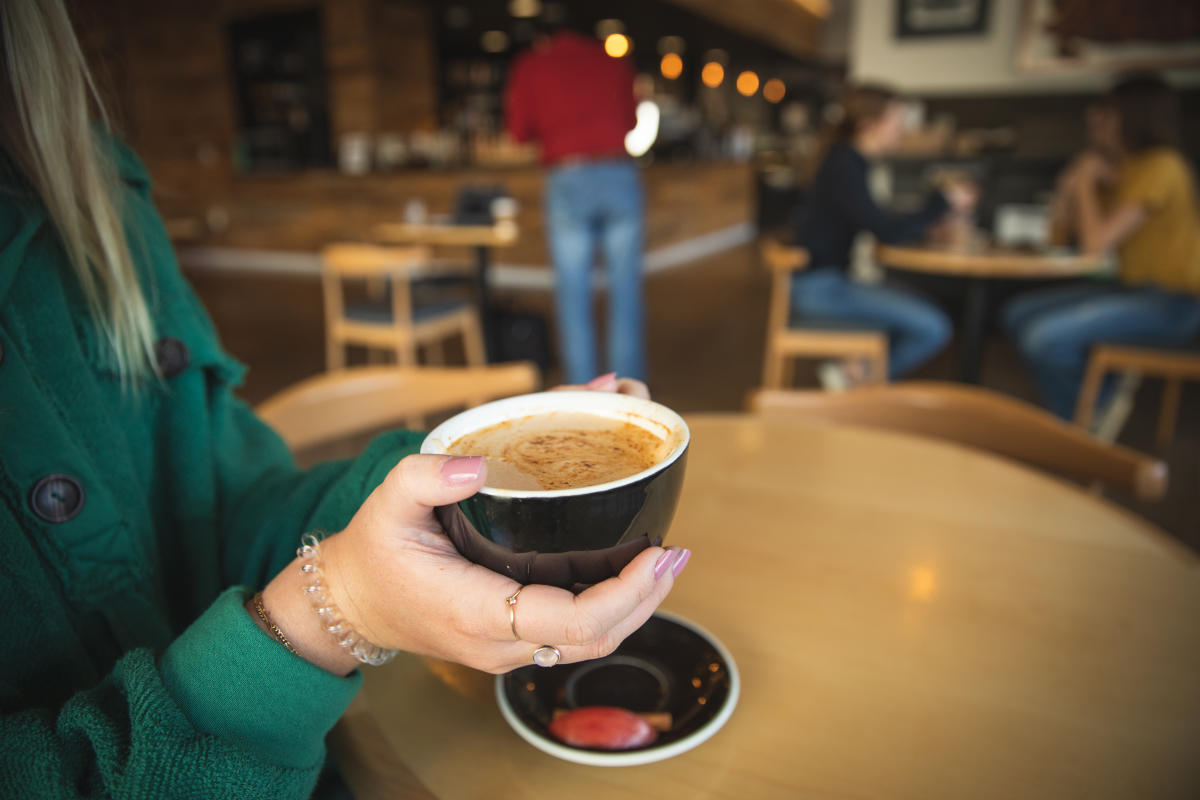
1132 192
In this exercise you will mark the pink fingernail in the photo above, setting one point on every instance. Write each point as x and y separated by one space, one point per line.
664 563
681 562
602 380
464 469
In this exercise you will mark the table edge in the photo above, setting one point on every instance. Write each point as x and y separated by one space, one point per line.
1144 526
981 265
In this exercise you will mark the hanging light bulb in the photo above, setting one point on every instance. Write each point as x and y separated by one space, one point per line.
671 66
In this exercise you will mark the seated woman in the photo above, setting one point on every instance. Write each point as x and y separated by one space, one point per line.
839 207
1132 192
141 504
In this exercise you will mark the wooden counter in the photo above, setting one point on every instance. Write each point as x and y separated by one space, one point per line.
304 211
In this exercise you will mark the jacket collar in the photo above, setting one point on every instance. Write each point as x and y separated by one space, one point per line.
20 223
22 217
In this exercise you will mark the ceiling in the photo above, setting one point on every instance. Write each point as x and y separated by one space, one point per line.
793 26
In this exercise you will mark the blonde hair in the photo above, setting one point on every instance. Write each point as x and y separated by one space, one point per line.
54 130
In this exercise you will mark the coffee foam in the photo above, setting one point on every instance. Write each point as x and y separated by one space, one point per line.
564 450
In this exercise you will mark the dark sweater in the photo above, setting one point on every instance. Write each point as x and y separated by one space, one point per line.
840 205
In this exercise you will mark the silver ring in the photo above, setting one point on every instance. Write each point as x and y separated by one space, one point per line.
512 612
546 656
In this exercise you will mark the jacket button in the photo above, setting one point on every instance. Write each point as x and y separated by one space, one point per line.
172 356
57 498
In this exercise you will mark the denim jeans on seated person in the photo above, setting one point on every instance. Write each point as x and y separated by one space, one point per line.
590 205
917 329
1055 330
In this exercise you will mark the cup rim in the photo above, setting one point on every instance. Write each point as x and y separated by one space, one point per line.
524 405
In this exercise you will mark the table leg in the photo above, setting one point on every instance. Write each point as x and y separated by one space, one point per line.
973 331
482 259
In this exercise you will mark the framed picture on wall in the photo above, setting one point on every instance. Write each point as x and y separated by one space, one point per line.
922 18
1060 37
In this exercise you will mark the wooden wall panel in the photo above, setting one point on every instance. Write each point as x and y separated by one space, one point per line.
168 76
405 68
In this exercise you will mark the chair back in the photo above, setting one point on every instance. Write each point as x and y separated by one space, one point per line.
784 343
977 418
378 266
783 262
337 405
1174 366
357 260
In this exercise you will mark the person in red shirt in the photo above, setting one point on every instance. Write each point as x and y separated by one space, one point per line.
568 95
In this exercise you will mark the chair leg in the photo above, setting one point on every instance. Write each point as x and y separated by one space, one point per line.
472 334
1170 411
335 354
877 363
1089 390
787 372
406 352
773 369
435 354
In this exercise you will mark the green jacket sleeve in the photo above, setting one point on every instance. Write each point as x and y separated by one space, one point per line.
266 503
226 712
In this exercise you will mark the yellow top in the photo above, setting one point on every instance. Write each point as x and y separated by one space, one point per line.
1165 249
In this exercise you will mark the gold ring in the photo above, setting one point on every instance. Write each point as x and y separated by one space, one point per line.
512 612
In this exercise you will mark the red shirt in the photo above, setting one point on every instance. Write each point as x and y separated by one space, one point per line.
572 97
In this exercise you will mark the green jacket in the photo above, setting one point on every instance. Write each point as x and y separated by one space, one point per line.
128 665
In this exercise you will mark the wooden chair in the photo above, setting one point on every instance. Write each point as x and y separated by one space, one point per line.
977 418
1173 366
811 339
337 405
391 322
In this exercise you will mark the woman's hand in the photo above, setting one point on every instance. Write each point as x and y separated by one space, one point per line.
400 582
610 383
1091 169
962 196
1088 170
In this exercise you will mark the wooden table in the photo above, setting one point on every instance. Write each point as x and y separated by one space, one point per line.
979 268
911 620
480 237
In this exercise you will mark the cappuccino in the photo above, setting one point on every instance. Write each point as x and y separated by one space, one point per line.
562 450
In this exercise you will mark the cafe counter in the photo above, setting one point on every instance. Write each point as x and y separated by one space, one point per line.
302 212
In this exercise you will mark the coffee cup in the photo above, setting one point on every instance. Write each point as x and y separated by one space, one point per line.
575 536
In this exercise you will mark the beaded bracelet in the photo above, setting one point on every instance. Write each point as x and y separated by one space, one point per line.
327 610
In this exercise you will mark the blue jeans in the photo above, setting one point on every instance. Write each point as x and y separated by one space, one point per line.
1055 329
917 329
590 205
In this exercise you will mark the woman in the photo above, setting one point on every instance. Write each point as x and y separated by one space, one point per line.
141 499
1132 192
839 207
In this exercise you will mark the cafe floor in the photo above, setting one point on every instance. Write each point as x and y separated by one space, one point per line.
707 322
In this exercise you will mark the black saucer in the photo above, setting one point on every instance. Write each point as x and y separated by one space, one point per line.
669 664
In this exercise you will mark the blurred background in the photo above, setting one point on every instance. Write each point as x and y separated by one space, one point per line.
274 128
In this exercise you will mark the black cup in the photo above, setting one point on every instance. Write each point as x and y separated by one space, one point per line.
569 538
